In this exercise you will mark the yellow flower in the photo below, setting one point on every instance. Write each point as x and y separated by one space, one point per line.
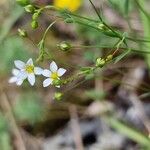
71 5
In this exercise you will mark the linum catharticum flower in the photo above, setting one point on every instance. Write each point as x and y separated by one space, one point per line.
53 74
25 71
71 5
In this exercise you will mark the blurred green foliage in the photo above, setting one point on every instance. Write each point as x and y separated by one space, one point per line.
122 6
12 48
29 108
95 95
4 134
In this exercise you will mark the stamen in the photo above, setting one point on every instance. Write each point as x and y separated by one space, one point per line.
29 69
54 75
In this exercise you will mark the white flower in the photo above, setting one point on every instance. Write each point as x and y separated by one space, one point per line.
25 71
53 74
14 78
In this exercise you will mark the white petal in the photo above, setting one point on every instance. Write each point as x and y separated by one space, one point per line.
31 78
15 72
61 72
47 82
12 80
30 62
46 73
38 70
19 82
22 75
53 67
19 64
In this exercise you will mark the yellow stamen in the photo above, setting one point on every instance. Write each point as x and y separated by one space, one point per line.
54 75
29 68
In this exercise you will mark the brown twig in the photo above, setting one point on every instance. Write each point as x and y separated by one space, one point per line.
5 104
76 128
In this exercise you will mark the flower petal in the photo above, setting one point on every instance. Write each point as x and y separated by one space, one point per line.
47 82
46 73
31 78
53 67
19 82
38 70
15 72
19 64
12 79
22 75
61 72
30 62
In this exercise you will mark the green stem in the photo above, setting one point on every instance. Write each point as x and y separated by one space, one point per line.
116 33
46 31
138 40
78 16
142 9
100 18
108 47
129 132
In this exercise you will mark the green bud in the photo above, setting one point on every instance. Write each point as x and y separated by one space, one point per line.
64 46
35 16
57 82
109 57
23 2
101 26
29 8
34 24
22 33
100 62
58 96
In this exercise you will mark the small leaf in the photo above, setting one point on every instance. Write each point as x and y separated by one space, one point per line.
121 56
129 132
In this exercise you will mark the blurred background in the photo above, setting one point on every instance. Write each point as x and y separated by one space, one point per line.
106 111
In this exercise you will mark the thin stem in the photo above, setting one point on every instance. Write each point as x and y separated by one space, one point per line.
96 11
45 33
85 24
116 33
78 16
118 46
108 47
137 40
142 9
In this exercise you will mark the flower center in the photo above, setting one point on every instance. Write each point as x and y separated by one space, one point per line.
54 75
29 68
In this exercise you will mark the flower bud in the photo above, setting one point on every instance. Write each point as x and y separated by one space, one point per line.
23 2
100 62
35 16
34 24
22 33
101 26
29 8
109 57
58 96
64 46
